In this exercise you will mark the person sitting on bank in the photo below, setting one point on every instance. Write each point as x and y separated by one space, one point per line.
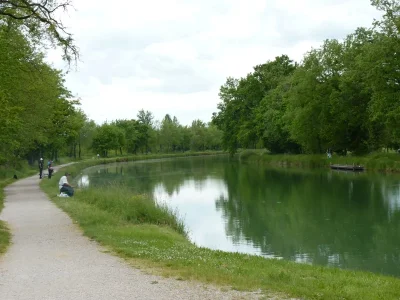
64 186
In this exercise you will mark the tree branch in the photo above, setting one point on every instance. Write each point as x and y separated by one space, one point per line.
35 15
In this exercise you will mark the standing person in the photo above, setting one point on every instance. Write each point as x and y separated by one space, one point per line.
64 186
50 168
40 168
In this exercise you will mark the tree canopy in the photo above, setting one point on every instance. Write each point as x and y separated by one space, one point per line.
37 109
343 96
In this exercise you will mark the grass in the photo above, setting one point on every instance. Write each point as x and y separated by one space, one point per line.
386 162
153 237
5 237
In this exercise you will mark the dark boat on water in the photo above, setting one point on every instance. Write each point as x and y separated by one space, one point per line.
347 167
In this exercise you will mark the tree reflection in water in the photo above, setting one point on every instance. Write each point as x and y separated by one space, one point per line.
348 220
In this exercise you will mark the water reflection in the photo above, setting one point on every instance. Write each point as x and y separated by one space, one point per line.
348 220
391 196
84 181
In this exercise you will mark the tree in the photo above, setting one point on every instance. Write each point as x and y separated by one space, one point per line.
270 122
198 136
76 122
271 128
36 102
10 124
145 119
133 134
170 137
241 100
86 135
391 19
38 18
108 137
229 114
213 137
309 115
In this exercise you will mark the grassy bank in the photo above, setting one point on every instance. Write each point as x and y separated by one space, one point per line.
6 178
4 232
153 237
386 162
5 237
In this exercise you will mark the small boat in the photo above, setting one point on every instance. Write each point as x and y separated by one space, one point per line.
347 167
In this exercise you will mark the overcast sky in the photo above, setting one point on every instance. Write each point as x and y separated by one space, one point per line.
172 56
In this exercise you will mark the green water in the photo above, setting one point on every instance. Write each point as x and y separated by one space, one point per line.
347 220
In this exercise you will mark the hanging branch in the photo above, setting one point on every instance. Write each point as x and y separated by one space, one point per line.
39 16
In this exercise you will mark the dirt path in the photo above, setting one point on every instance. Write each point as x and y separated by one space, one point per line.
50 259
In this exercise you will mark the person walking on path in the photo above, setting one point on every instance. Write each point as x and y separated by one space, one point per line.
50 168
40 168
64 186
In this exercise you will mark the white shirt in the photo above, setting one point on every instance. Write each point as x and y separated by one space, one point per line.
62 181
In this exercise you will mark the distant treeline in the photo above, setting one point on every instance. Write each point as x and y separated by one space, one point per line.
39 117
144 135
343 96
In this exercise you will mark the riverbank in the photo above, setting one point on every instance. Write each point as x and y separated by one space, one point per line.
110 216
380 162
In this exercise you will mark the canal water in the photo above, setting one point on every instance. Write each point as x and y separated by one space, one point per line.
323 217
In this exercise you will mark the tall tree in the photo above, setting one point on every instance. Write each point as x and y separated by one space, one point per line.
145 129
36 100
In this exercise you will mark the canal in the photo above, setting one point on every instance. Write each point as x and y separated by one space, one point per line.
322 217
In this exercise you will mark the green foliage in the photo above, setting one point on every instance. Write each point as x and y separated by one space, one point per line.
106 137
37 19
145 135
5 237
133 209
38 114
251 108
343 96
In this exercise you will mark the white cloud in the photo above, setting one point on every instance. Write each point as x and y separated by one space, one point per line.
172 56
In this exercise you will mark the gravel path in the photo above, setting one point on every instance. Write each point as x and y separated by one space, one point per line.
50 259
